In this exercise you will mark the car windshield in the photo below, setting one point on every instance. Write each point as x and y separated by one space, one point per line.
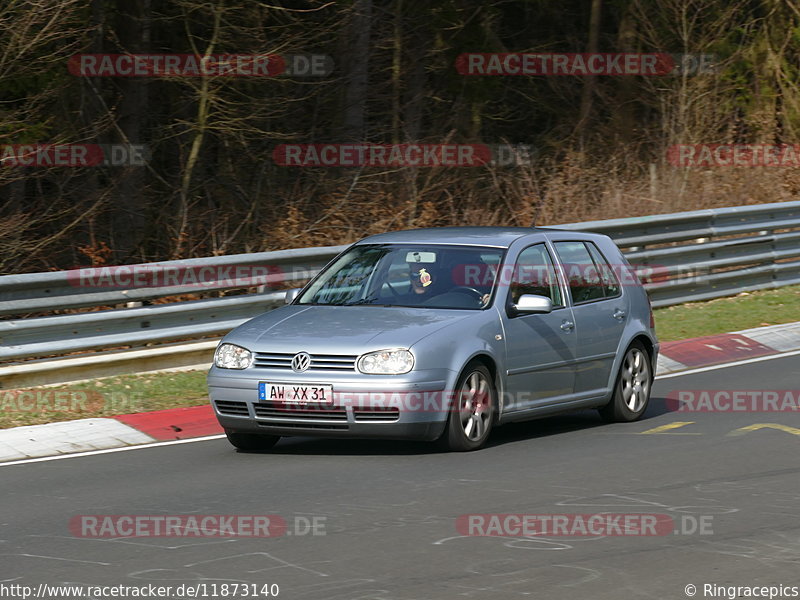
435 276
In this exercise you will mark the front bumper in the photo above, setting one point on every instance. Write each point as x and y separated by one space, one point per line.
412 406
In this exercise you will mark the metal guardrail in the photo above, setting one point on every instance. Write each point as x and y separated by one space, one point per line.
59 290
710 253
697 255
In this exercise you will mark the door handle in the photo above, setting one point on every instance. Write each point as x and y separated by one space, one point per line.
567 325
619 314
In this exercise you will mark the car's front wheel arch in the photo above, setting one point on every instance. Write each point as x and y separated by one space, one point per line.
472 408
488 362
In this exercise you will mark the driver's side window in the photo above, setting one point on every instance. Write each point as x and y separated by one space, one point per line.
534 273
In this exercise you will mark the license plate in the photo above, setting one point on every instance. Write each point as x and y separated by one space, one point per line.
291 392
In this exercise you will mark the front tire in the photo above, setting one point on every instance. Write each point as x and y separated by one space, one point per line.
632 389
472 412
252 442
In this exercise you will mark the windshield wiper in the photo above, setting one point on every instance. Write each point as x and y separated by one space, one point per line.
369 300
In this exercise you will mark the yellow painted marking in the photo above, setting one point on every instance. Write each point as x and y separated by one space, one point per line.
757 426
668 427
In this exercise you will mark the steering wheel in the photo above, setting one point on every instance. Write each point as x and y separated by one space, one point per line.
465 289
394 291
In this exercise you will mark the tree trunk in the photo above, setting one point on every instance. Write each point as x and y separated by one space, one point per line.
590 80
129 226
357 79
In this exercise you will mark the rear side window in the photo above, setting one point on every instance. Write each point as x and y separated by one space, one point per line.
589 275
607 276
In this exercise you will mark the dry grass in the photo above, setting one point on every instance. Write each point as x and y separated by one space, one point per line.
573 190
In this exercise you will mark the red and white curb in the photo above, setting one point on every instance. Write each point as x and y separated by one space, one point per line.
728 347
53 439
82 435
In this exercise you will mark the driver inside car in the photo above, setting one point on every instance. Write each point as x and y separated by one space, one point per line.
424 283
421 278
431 279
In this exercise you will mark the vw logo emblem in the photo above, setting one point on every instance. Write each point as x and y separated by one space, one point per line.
301 362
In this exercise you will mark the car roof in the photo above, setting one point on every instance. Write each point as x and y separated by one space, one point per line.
501 237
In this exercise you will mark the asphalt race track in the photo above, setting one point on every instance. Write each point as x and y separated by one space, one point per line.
386 511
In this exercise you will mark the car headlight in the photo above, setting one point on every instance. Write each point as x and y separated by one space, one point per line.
386 362
231 356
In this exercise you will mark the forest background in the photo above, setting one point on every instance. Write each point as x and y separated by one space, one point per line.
211 186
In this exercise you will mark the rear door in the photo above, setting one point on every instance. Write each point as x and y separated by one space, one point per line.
600 309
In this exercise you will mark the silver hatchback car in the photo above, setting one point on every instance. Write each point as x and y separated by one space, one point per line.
441 334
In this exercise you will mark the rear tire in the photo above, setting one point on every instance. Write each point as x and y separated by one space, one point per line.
472 412
632 389
252 442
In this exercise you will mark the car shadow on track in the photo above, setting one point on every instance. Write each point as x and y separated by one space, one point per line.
305 446
660 406
509 433
545 427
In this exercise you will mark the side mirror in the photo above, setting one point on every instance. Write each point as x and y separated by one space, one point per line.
291 295
531 303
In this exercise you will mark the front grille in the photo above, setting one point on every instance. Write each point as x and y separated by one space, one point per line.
376 415
319 362
228 407
299 412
